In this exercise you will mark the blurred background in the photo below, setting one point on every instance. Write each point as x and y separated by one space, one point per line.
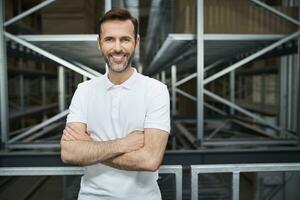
232 69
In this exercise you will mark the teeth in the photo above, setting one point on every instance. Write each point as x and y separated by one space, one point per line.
117 58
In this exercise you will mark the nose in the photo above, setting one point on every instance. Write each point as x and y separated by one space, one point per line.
118 47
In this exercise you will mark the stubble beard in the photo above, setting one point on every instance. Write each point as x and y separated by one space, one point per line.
115 68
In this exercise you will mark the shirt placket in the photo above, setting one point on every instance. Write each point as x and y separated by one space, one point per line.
116 103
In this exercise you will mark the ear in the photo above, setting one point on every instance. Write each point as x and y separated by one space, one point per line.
98 43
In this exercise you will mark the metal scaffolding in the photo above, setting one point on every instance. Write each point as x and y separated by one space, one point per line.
183 49
201 51
42 45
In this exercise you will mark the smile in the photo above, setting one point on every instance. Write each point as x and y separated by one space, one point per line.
118 58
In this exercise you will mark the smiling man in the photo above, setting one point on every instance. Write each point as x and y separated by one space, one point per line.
119 123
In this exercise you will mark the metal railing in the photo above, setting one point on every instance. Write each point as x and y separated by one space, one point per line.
67 171
235 170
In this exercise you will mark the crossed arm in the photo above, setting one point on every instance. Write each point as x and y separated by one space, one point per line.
138 151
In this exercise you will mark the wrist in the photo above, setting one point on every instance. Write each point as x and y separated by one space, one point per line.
121 145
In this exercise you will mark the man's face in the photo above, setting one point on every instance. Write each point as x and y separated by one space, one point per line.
118 44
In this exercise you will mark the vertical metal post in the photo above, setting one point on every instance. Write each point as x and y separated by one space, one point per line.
21 85
173 98
44 89
61 88
107 5
294 93
235 185
3 79
232 90
84 78
157 76
173 85
194 184
298 76
290 92
283 94
263 89
163 76
200 69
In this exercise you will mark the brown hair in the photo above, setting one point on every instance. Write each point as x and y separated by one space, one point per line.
118 14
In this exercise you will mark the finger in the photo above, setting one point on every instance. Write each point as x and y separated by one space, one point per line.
69 128
69 135
65 138
73 134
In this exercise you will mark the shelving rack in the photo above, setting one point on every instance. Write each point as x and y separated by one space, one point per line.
202 52
194 55
74 52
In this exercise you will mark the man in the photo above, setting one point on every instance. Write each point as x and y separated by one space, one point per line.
118 123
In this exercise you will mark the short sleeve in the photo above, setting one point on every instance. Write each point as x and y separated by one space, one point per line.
77 111
158 110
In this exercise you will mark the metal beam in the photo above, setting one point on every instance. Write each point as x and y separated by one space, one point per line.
236 169
239 142
107 5
213 65
263 167
298 77
63 171
28 12
177 170
184 131
60 38
49 55
251 57
221 155
88 69
39 146
41 171
39 126
187 95
3 79
31 111
240 109
212 134
173 85
232 89
235 185
191 97
61 89
200 69
186 79
163 76
276 12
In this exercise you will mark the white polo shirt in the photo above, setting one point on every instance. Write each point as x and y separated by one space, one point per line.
113 111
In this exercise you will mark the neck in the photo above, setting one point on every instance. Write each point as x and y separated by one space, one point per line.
118 78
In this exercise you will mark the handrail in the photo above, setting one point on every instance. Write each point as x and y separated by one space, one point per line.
66 171
236 169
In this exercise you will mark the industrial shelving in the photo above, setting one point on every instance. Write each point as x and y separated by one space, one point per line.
179 58
184 55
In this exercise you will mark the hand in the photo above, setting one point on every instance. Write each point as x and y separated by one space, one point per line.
70 134
133 141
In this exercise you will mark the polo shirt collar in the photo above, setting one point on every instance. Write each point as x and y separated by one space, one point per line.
129 83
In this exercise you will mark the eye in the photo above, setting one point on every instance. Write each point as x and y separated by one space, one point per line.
108 39
126 39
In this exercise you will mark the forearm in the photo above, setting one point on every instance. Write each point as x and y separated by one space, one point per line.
89 152
140 160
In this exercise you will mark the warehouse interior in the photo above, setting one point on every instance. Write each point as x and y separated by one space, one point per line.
232 70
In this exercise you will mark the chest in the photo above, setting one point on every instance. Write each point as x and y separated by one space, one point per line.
118 111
